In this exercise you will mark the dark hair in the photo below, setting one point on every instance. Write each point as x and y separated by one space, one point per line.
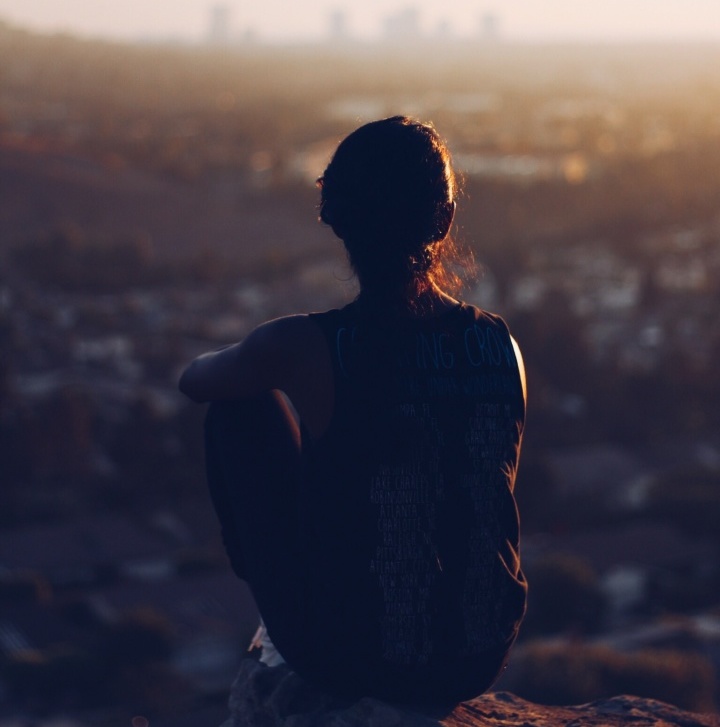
389 194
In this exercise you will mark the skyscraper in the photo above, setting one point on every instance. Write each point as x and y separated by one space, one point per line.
219 30
403 25
489 26
338 24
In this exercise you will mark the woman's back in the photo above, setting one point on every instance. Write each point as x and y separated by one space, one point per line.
410 526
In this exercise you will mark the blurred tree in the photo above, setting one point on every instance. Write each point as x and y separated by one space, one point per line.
564 596
140 637
534 492
689 499
576 673
61 677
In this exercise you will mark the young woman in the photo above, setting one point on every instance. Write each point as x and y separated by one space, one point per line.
374 520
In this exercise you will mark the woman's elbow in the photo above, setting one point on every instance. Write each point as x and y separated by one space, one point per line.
191 383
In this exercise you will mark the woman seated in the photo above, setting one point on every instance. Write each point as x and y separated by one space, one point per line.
373 515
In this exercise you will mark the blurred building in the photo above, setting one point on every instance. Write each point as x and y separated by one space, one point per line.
338 24
219 28
444 29
403 25
489 26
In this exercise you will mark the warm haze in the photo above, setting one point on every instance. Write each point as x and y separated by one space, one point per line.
189 20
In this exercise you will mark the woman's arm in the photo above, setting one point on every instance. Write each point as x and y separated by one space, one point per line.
521 367
289 354
258 363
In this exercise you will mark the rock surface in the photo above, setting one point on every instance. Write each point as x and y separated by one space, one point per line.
276 697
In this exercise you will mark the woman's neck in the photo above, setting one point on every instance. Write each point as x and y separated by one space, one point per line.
429 303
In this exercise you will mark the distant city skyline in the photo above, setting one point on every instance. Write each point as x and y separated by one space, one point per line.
305 20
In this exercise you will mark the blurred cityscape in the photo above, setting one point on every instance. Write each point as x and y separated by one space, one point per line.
405 25
158 201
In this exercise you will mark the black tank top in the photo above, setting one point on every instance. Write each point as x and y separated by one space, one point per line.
412 527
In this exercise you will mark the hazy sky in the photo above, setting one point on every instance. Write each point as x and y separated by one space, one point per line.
276 19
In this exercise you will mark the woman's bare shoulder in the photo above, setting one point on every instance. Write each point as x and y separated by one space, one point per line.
273 356
292 355
286 330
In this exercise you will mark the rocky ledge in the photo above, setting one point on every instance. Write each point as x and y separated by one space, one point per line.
276 697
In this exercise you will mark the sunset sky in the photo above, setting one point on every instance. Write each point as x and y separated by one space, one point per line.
308 19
